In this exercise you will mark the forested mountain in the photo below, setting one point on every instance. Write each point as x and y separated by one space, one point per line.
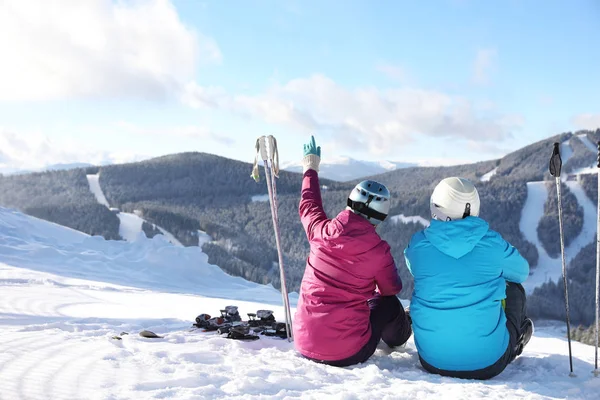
186 192
61 196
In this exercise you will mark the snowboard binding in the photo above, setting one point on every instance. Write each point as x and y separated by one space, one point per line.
265 318
241 332
229 316
230 323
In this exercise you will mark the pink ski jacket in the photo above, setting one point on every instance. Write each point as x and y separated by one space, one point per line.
348 261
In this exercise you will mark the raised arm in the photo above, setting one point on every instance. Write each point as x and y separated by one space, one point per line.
311 206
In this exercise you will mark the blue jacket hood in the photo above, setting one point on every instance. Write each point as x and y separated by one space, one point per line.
456 238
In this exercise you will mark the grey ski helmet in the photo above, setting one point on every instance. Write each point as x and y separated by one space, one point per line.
371 200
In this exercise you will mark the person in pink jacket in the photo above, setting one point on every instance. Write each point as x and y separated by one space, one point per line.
347 301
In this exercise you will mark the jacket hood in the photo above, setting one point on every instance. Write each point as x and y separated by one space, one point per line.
349 228
456 238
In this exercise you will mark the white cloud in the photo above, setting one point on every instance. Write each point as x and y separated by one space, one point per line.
485 63
378 121
587 121
186 131
19 151
96 48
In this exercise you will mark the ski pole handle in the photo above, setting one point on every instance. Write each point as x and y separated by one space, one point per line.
555 161
263 148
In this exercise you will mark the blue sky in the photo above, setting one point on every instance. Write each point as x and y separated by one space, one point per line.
435 82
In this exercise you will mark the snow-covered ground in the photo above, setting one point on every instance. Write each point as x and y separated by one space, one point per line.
588 143
130 227
415 219
94 182
566 151
65 294
486 177
551 268
260 197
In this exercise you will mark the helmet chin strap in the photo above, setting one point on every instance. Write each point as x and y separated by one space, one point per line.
438 214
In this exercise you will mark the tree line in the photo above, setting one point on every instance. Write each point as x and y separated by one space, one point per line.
187 192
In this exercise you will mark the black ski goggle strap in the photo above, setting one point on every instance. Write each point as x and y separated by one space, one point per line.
439 215
363 208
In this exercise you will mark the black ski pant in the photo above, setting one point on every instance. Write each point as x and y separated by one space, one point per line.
515 311
389 323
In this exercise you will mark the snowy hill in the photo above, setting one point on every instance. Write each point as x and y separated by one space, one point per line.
344 169
65 294
51 167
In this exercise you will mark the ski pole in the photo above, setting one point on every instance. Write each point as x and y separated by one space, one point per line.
274 164
555 167
271 173
267 149
596 371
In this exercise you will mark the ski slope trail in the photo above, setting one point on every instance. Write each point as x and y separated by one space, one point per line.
486 177
63 301
549 268
566 151
94 182
588 143
130 227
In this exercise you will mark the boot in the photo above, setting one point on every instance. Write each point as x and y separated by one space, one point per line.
527 330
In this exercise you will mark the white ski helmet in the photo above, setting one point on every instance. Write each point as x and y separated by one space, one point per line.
371 200
454 198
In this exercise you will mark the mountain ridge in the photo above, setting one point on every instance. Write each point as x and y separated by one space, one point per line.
192 191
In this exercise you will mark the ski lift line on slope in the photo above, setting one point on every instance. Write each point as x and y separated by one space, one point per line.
548 268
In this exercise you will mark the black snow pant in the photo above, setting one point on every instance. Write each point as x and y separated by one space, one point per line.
389 323
515 311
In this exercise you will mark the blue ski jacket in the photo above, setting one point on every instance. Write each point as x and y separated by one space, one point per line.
460 270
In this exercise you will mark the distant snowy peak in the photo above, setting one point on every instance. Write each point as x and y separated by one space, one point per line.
344 169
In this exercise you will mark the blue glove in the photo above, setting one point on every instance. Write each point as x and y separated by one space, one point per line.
311 148
312 156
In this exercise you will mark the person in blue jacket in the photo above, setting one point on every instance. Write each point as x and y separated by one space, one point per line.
468 306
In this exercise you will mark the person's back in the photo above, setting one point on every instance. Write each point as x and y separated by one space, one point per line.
461 268
346 260
340 318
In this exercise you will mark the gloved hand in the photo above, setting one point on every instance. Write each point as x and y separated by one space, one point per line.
312 156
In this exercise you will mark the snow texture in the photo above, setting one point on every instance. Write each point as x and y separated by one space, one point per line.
65 294
588 143
415 219
203 237
130 227
551 268
584 170
260 197
488 176
566 151
94 182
